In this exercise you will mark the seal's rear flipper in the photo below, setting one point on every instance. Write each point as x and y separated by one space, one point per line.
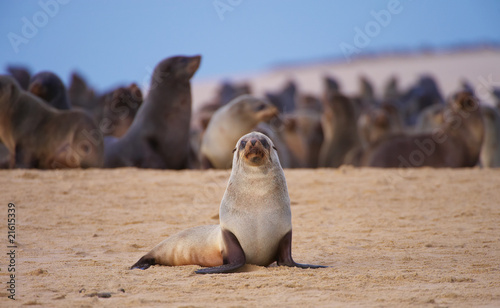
232 254
285 254
144 263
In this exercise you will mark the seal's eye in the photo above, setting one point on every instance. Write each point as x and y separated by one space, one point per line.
243 143
261 107
264 143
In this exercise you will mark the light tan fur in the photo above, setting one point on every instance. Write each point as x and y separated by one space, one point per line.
255 208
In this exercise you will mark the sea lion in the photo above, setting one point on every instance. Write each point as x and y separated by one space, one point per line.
339 129
49 87
238 117
457 143
159 134
255 219
40 136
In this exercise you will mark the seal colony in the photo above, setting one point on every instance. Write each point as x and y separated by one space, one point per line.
255 219
158 130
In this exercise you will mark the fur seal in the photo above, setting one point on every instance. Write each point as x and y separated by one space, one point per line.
457 143
339 123
49 87
238 117
159 134
40 136
119 109
255 219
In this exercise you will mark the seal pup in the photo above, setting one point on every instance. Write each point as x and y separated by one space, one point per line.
457 143
40 136
159 134
255 219
49 87
228 124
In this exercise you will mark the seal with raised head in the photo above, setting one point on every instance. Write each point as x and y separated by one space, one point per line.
40 136
255 219
159 135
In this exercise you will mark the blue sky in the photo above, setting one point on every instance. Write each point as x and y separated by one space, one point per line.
118 42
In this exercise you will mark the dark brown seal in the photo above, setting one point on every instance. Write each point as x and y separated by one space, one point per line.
120 107
159 134
339 123
39 136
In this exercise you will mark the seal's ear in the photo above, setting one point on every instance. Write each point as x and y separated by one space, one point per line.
275 148
234 150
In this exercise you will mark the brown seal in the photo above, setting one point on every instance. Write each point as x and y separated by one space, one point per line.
49 87
39 136
339 122
120 107
255 219
238 117
159 134
457 143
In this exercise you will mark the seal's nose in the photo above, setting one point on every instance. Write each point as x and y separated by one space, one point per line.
253 141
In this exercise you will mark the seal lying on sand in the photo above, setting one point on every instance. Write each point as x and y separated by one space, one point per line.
39 136
255 219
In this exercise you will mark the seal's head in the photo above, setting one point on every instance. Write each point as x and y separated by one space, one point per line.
255 149
47 86
176 68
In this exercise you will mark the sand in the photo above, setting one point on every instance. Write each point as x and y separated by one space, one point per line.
392 238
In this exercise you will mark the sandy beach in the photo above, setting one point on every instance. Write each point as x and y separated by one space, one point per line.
392 238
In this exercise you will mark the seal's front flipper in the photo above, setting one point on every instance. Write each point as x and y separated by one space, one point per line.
232 254
285 254
144 263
